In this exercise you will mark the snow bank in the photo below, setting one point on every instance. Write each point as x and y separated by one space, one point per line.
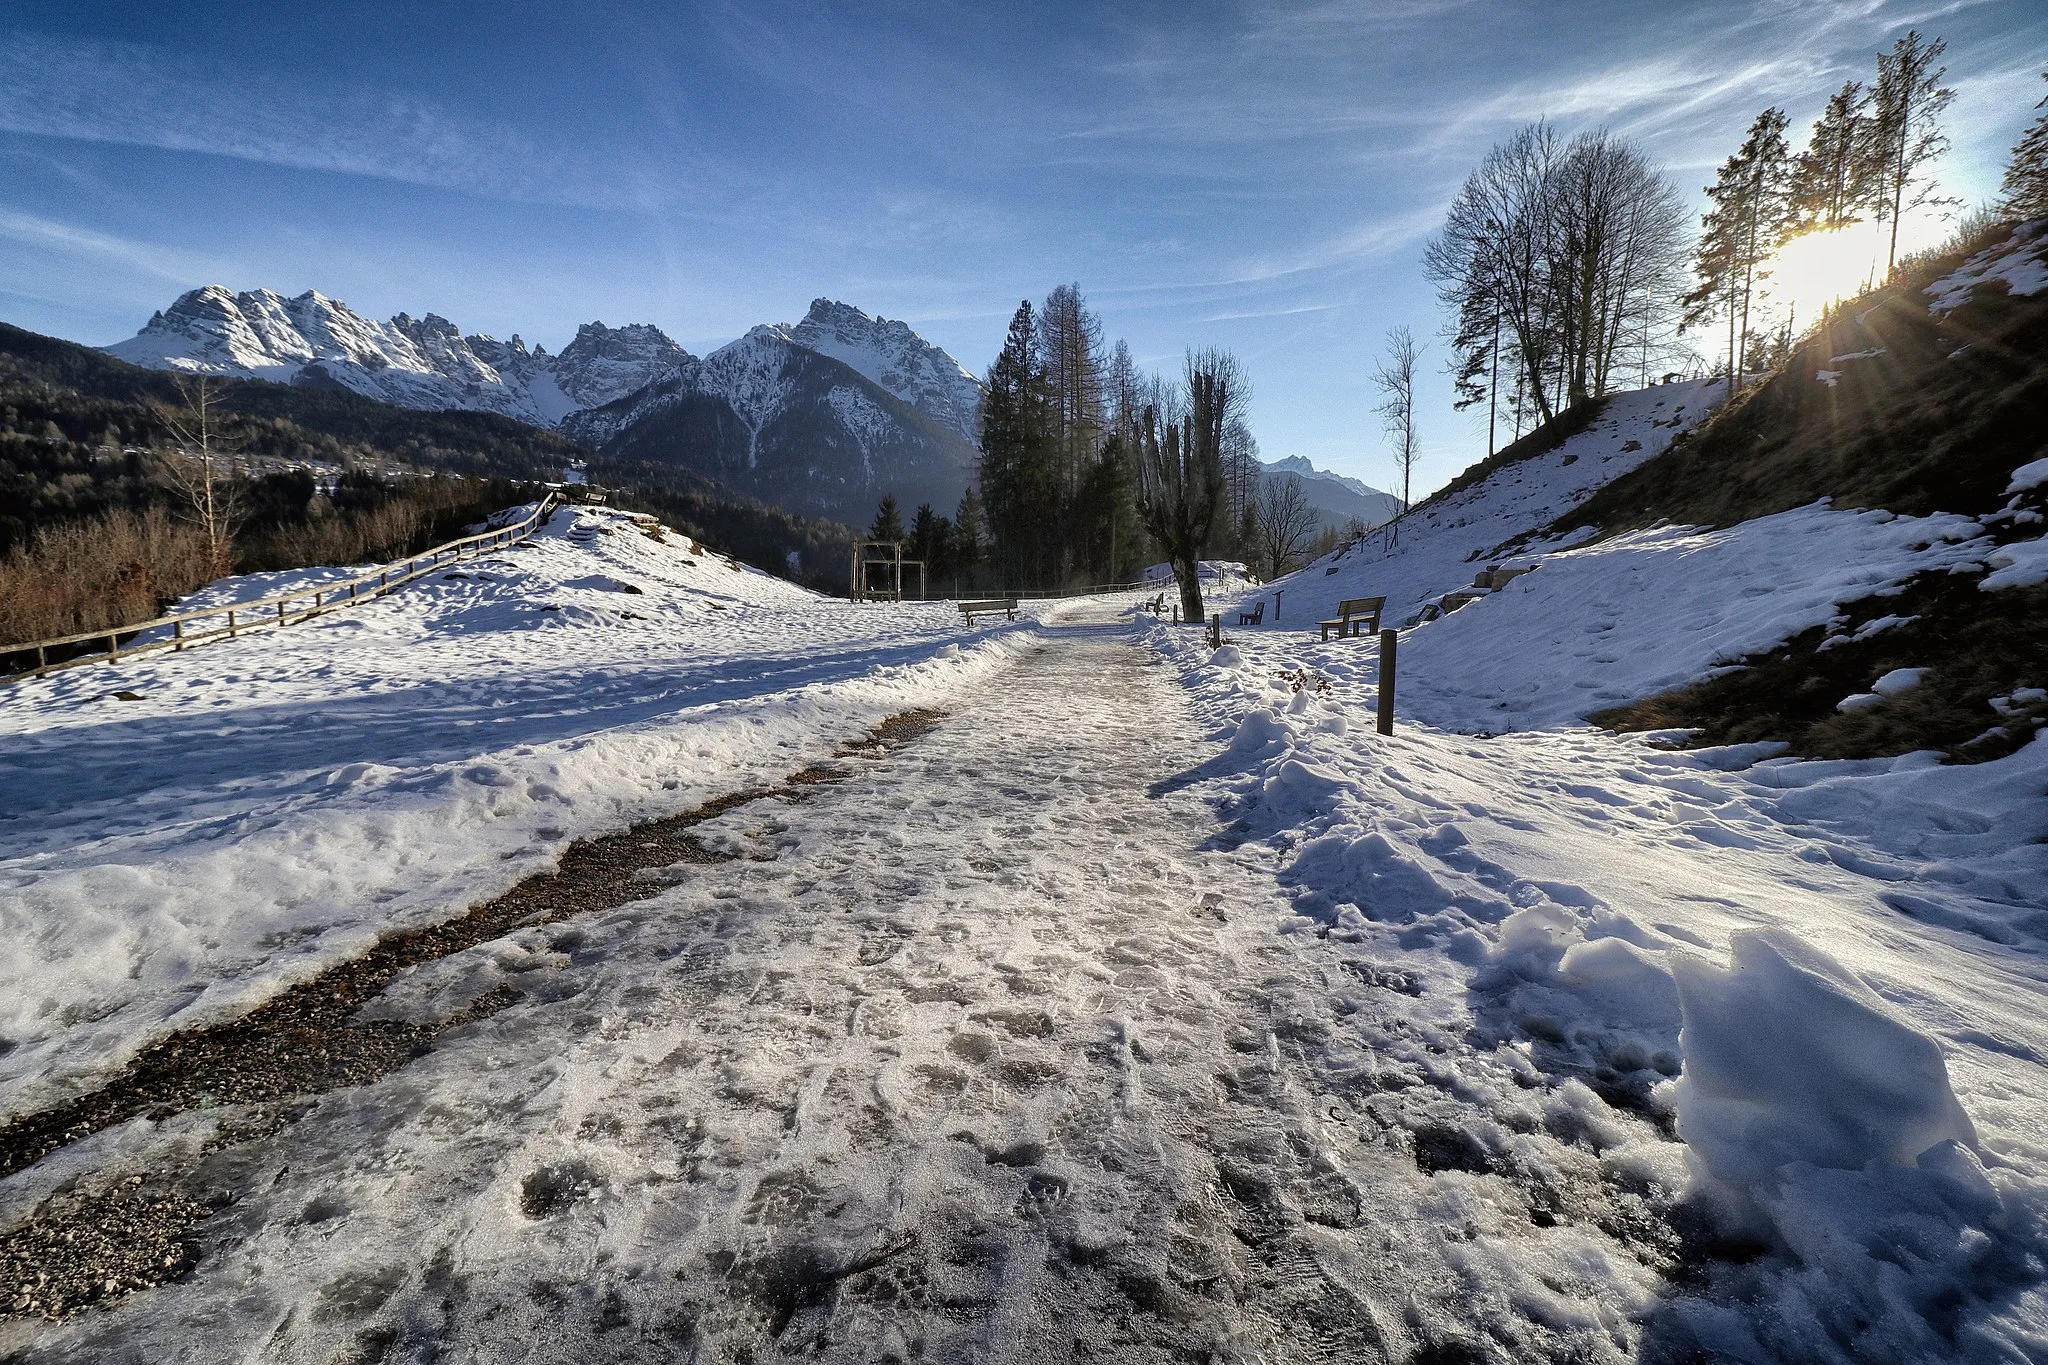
1790 1059
1863 1088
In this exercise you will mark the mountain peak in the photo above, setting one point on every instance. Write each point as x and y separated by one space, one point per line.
892 355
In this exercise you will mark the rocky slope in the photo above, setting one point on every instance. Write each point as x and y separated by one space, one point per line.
1336 498
787 424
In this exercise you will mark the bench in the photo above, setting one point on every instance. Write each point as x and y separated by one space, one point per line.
1006 605
1252 617
1355 616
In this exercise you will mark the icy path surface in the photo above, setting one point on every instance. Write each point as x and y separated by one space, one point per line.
990 1052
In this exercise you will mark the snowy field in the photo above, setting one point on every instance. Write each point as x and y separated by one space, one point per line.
1149 1008
272 803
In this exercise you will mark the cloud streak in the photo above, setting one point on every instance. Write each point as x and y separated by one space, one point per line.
130 95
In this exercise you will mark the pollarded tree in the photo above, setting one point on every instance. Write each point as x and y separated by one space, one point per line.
2024 192
1181 478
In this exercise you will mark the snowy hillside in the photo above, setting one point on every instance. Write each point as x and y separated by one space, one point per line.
1612 982
411 362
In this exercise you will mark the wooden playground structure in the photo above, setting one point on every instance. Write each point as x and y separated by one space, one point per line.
882 559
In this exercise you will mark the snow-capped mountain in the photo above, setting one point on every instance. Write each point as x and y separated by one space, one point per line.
823 417
896 358
412 362
1337 498
791 425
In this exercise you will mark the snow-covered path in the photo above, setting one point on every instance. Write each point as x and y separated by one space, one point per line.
991 1051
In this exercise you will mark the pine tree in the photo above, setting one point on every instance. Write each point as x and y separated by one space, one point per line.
1828 179
931 541
1751 214
888 524
1903 134
1019 480
2024 192
969 548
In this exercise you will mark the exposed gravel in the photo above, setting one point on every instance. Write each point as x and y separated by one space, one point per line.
83 1246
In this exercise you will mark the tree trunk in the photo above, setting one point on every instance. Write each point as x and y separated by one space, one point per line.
1188 573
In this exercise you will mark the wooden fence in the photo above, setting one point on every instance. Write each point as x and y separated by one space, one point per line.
241 618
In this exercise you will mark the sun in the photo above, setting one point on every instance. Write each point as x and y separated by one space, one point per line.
1817 269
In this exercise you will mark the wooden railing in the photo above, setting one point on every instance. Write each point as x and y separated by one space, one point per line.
266 613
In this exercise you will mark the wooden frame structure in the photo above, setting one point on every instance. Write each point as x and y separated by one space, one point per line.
864 588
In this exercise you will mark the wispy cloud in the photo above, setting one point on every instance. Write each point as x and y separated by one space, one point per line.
131 95
164 263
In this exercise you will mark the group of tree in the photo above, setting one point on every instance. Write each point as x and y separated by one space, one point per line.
1558 261
1067 429
1869 157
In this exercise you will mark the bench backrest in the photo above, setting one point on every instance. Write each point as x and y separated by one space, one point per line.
1360 606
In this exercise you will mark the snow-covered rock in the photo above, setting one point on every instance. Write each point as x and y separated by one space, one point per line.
896 358
412 362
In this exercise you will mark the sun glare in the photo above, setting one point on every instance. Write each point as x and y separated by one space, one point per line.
1808 273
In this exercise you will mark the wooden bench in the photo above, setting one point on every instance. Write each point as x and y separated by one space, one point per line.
1252 617
1355 616
1006 605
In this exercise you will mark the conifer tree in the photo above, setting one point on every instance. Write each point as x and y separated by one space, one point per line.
2024 192
1748 222
1902 135
1829 178
969 548
888 524
1019 484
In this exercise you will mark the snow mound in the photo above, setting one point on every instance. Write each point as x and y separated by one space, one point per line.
1789 1058
272 804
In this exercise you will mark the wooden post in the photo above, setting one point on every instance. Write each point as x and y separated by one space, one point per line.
1389 641
42 662
231 625
1216 631
178 635
113 648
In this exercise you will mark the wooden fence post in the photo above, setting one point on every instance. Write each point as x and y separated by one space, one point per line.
178 635
231 625
1216 631
1389 641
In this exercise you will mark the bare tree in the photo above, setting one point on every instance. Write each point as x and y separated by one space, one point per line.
1551 258
1287 524
1395 379
199 467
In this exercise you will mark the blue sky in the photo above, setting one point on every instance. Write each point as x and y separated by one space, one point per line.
1261 177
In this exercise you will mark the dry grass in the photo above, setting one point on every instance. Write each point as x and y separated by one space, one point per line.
109 571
